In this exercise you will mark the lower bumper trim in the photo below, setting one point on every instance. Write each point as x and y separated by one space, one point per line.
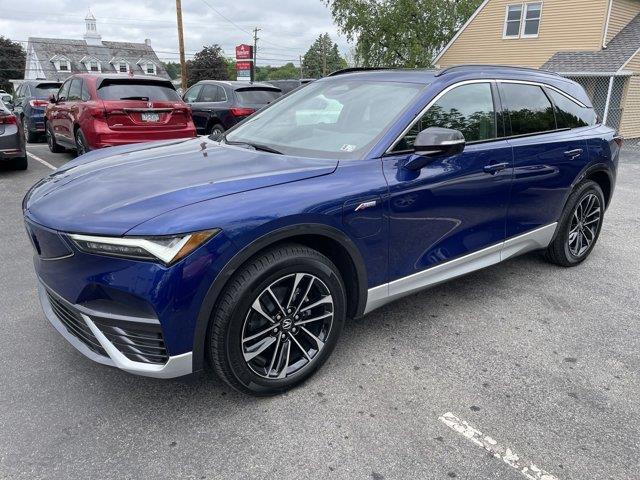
176 366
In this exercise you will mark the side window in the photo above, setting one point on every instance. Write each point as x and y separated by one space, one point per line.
64 91
75 90
210 93
221 95
192 94
468 108
529 108
569 114
85 92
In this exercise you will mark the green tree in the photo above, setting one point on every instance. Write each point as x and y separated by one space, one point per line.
400 33
12 61
208 64
322 58
172 68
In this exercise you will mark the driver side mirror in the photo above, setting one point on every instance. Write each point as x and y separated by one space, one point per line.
52 98
435 142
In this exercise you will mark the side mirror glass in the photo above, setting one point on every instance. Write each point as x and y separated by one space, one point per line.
434 142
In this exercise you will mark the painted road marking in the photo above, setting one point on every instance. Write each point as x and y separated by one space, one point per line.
508 456
44 162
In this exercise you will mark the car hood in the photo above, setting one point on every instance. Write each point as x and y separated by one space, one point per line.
111 191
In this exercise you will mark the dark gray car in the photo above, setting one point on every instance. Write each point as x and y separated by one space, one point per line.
13 152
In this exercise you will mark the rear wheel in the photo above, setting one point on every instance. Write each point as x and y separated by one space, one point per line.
278 320
81 143
216 131
51 140
579 226
29 137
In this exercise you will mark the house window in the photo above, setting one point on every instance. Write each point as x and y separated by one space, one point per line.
522 20
93 66
123 67
63 67
150 68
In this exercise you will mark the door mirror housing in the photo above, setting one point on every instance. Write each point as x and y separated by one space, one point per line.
435 142
53 98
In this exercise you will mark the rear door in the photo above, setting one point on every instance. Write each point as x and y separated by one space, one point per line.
58 112
213 105
547 157
139 105
197 110
68 121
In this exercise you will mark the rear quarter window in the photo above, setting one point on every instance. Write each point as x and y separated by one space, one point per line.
571 115
254 96
147 91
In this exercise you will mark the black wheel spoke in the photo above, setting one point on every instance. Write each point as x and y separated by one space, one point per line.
585 222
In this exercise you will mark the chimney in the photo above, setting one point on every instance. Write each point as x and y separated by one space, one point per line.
147 42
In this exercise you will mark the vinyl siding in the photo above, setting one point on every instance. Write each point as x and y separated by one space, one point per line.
622 12
565 25
630 125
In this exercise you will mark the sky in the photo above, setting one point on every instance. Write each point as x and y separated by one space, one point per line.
288 27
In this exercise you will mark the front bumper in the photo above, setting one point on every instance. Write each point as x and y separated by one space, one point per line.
101 349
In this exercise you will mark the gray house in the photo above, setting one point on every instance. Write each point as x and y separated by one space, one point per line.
57 58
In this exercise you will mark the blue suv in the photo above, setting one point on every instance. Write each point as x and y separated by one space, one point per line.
250 252
30 100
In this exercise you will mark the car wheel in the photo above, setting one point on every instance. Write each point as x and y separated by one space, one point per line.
51 140
579 226
81 143
216 131
277 320
29 137
20 163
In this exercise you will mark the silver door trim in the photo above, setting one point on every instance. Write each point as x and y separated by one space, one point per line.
388 292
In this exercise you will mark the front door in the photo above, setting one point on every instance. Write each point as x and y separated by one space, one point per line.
455 205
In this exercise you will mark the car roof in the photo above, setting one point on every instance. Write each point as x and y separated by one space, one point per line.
38 82
461 73
234 84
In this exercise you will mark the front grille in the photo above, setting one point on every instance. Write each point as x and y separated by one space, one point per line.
137 342
75 324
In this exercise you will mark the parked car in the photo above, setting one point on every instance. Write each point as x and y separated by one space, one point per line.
12 147
29 103
253 251
219 105
93 111
287 86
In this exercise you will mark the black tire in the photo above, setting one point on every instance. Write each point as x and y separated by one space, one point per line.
51 140
81 143
29 137
20 163
231 317
216 131
560 250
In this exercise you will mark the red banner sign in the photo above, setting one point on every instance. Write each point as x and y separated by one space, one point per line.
243 65
244 52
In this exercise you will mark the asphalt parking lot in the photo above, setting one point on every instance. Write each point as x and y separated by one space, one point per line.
542 360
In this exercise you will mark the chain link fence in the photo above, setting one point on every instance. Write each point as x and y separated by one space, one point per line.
616 99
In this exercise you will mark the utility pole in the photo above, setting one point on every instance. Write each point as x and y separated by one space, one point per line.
301 67
255 53
183 63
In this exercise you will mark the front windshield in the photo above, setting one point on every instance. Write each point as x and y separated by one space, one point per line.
328 119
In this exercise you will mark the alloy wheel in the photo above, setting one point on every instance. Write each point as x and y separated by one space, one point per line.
287 326
585 222
216 133
25 130
49 138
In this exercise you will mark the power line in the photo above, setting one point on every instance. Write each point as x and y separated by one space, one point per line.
226 18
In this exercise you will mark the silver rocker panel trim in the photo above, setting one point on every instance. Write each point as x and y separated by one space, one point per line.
388 292
176 366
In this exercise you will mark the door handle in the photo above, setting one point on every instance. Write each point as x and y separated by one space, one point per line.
495 167
571 154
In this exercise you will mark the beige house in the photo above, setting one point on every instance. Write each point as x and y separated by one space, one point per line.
596 42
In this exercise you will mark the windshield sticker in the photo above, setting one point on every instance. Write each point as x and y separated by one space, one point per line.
347 148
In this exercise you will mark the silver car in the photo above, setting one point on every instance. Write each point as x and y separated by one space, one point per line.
13 152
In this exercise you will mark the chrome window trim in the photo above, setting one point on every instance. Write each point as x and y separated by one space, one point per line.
495 81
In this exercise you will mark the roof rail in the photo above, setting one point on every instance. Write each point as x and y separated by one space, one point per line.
481 66
355 69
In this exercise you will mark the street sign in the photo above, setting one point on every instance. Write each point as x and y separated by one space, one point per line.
244 52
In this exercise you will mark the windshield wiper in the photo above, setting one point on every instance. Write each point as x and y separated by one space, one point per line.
146 99
255 146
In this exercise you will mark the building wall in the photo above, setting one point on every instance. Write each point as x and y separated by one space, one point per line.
630 125
565 25
622 12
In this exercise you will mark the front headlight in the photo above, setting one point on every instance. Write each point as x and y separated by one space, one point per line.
168 249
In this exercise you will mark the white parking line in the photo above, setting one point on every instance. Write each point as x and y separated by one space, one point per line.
44 162
508 456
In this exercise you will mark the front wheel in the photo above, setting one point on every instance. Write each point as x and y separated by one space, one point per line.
579 226
277 321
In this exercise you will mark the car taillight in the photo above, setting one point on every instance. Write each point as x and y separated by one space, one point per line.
97 112
8 120
38 103
241 112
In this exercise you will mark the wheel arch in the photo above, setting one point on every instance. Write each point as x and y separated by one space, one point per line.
329 241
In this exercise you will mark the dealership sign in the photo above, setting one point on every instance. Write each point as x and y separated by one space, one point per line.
244 52
244 61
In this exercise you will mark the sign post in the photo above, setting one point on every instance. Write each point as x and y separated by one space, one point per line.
244 62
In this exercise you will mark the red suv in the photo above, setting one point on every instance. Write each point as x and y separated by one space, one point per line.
96 111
